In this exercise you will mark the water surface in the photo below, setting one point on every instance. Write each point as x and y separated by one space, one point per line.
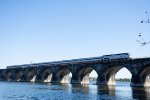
47 91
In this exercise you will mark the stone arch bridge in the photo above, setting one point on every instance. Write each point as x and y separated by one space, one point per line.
59 73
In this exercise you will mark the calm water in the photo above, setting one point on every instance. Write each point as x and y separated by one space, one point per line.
38 91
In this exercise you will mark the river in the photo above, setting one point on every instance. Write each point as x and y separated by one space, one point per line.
48 91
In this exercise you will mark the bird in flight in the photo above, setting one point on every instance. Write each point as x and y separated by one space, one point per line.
142 42
146 21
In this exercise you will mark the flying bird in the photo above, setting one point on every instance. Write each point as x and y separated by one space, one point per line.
146 21
142 42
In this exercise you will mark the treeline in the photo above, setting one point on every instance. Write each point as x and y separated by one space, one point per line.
120 79
124 79
92 78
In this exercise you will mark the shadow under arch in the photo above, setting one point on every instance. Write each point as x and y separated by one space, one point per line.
17 75
1 77
111 73
61 76
144 76
45 75
8 75
30 75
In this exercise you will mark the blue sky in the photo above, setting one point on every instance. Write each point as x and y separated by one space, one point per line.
48 30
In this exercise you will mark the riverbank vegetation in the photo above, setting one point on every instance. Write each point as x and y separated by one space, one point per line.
120 79
124 79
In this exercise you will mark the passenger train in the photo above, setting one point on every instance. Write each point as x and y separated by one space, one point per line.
101 58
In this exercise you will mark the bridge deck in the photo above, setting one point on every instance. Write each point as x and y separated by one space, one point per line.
72 61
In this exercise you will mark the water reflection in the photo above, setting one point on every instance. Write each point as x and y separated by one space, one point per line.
80 88
49 91
141 93
109 90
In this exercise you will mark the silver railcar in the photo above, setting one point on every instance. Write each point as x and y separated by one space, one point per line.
116 56
104 57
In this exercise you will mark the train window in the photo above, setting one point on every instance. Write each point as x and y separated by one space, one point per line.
105 58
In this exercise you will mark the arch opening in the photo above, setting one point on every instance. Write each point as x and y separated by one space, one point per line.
9 76
86 75
70 76
118 74
17 75
45 75
22 78
62 76
147 81
145 76
31 75
93 77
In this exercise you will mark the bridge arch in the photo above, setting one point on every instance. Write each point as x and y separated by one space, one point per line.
82 75
31 75
107 76
123 73
61 75
17 74
8 75
44 75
